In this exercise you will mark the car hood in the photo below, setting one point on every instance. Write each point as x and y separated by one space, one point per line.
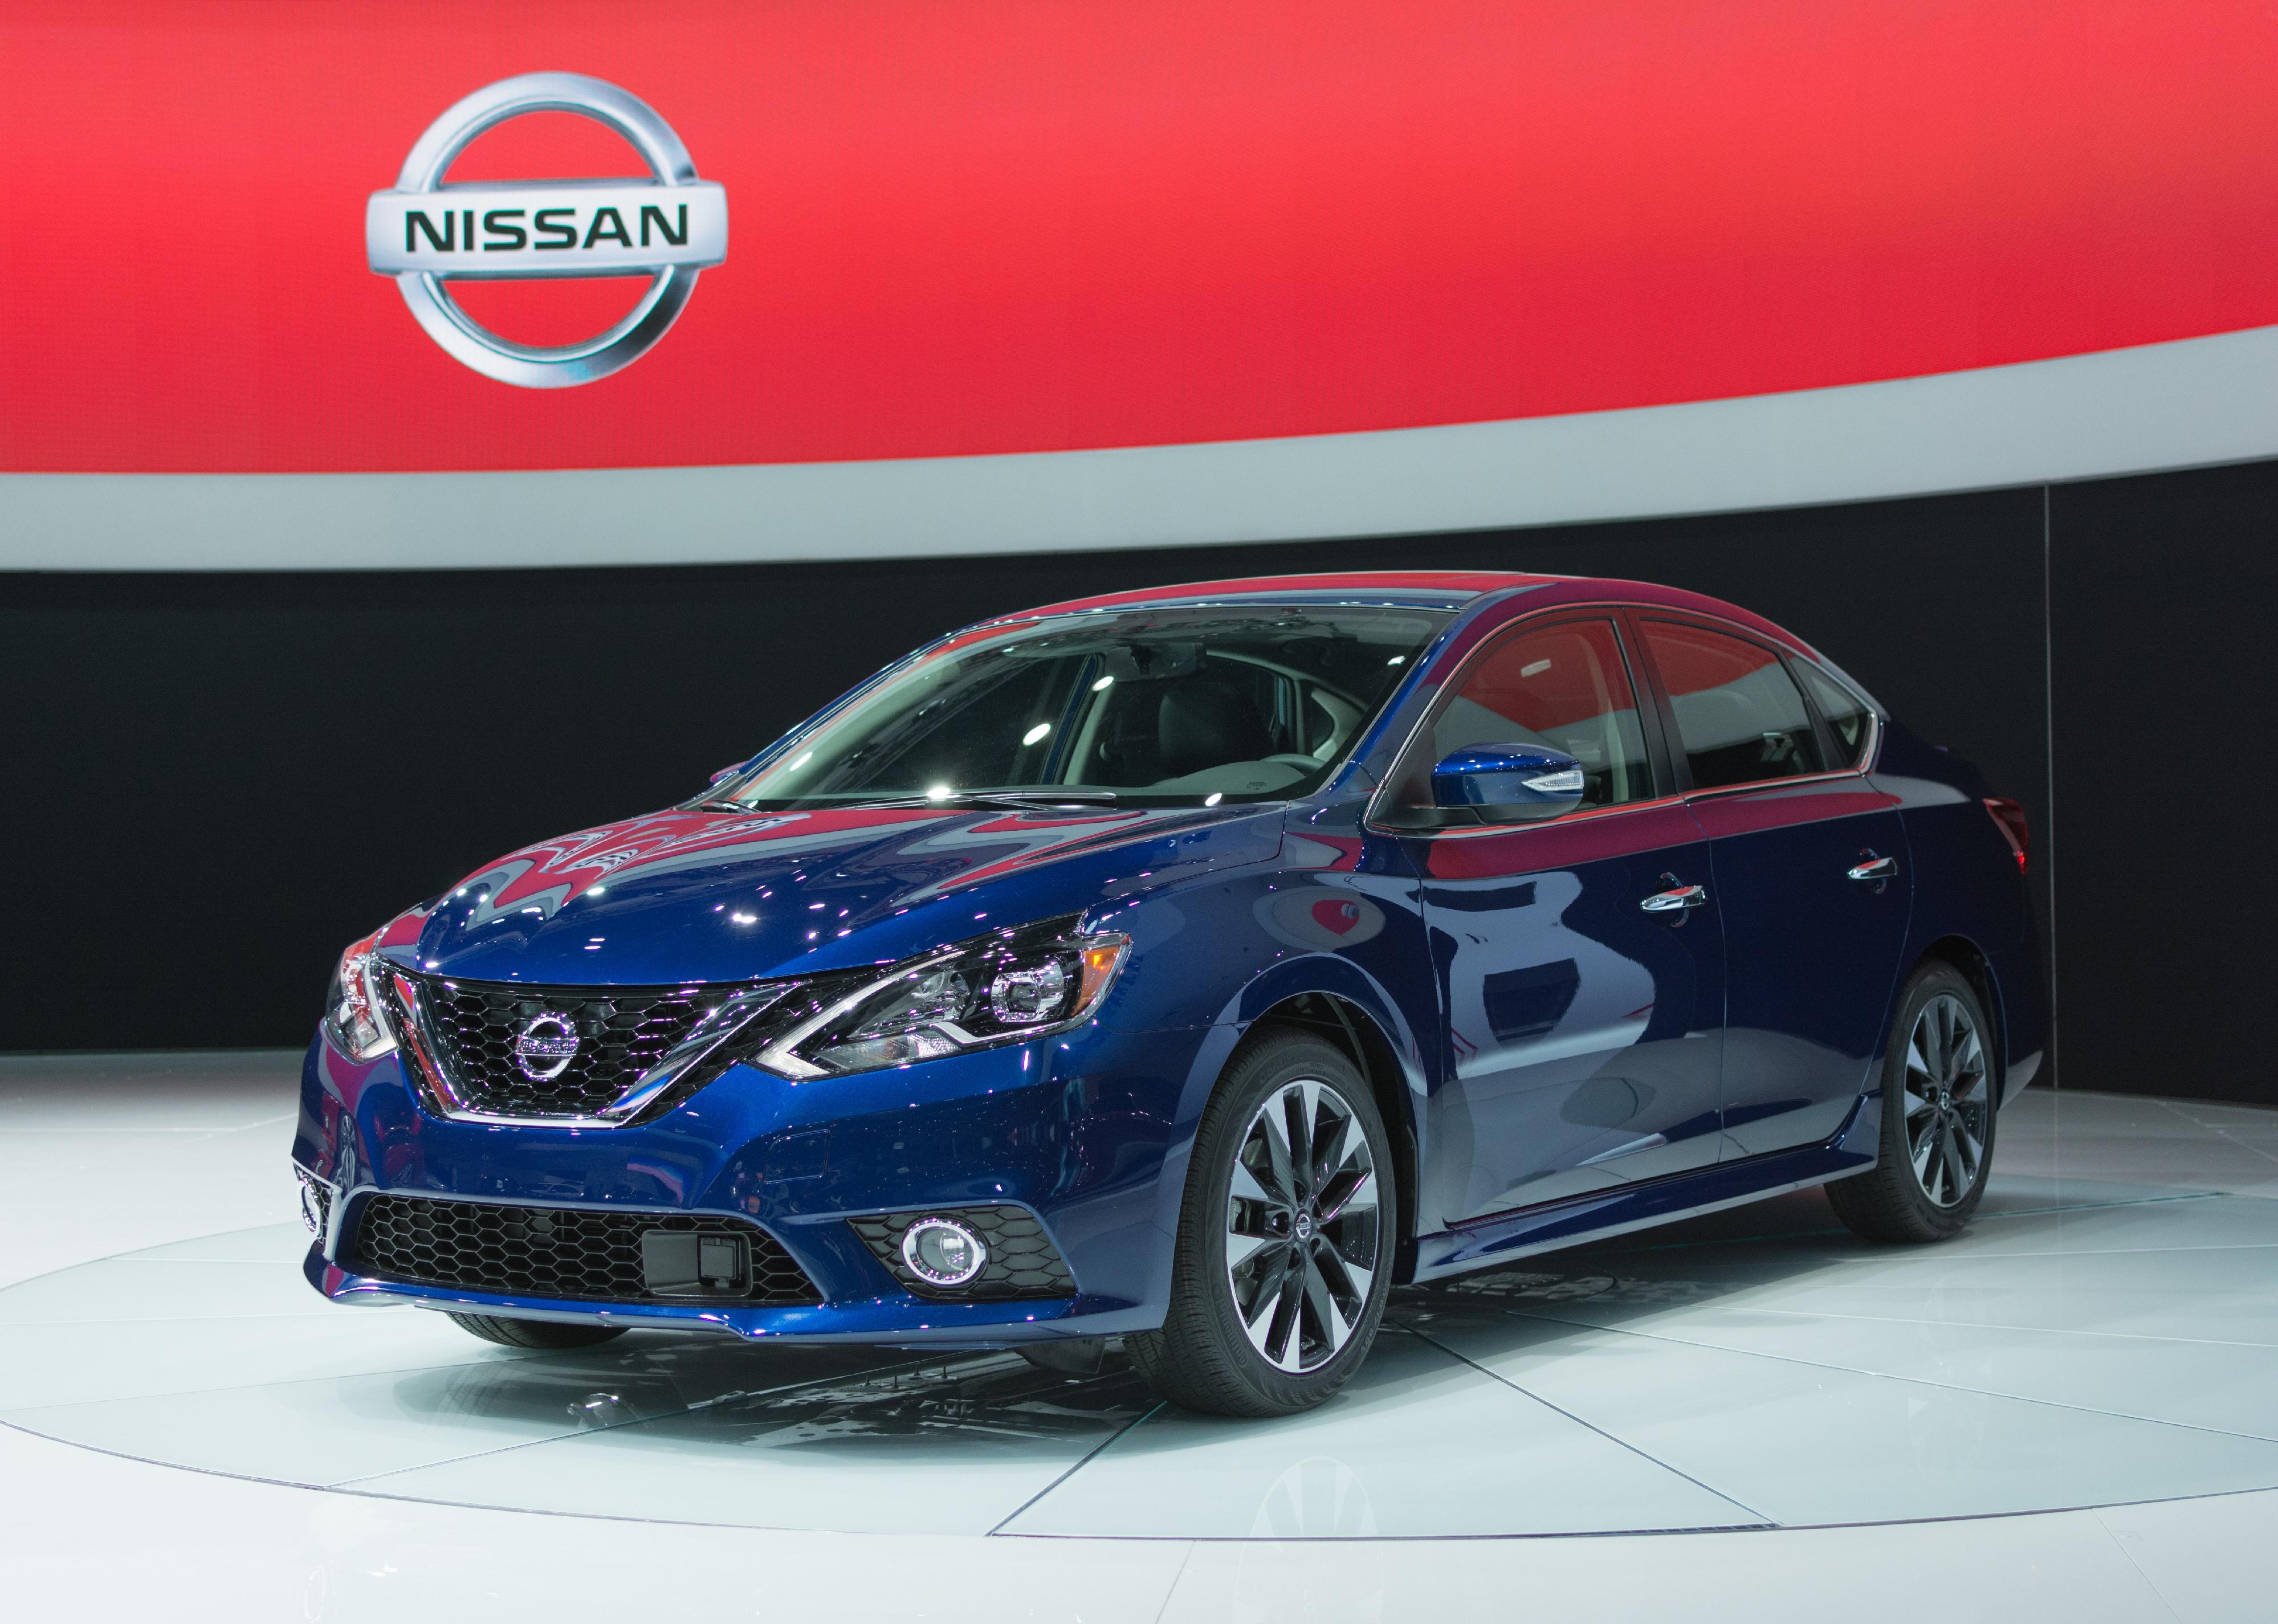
681 897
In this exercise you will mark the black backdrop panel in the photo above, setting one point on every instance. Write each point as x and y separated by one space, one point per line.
216 780
2162 592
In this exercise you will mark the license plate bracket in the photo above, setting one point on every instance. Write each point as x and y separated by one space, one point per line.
681 1263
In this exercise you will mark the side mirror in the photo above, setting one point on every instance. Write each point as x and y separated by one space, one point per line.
730 770
1508 783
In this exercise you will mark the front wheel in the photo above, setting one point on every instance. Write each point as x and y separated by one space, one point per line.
1941 1093
1284 1254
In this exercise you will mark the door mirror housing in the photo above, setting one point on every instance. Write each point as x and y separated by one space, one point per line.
730 770
1506 783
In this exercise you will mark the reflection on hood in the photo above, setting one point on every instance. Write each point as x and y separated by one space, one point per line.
677 896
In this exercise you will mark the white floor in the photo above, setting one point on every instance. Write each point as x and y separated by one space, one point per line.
2070 1413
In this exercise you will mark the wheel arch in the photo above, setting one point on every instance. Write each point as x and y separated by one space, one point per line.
1355 1030
1971 962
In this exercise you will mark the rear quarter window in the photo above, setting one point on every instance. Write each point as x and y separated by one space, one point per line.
1847 714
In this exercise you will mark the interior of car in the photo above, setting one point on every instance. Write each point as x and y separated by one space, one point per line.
1232 704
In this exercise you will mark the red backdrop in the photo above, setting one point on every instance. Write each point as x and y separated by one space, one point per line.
1004 226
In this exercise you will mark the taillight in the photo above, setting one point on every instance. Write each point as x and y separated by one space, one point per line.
2009 818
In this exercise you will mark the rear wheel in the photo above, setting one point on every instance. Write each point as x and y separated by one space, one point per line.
535 1334
1940 1102
1284 1253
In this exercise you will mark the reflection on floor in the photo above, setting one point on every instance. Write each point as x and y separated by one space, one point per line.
2102 1337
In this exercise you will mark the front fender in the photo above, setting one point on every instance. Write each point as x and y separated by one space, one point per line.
1337 932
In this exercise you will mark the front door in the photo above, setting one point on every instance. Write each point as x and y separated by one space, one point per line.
1582 1028
1812 875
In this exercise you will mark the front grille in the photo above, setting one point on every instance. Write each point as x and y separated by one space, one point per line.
621 1032
579 1254
1022 1260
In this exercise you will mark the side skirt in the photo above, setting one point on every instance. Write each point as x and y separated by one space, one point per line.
1504 1236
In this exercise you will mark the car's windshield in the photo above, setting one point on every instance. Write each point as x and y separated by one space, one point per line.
1184 706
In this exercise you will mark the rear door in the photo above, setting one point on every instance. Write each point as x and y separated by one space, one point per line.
1582 1029
1810 875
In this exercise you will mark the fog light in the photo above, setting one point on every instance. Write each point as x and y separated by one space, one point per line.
942 1252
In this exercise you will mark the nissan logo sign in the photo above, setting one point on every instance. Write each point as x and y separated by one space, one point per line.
546 1046
427 234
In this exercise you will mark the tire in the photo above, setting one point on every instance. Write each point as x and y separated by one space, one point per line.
1318 1269
535 1334
1941 1100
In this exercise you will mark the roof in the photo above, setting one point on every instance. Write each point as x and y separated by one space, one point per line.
1436 587
1446 589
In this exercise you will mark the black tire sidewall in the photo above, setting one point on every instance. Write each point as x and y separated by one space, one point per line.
1272 1065
1927 984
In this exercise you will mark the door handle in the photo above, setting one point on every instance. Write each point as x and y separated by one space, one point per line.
1874 870
1676 900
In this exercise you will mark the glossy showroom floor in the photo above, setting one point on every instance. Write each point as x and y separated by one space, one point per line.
2071 1412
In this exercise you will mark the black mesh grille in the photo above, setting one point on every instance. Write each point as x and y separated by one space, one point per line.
1022 1260
580 1254
621 1032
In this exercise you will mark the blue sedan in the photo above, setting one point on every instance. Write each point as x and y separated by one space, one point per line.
1190 967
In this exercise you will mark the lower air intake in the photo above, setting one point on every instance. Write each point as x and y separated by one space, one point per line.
575 1254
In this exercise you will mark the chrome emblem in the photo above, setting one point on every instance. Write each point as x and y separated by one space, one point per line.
427 234
544 1046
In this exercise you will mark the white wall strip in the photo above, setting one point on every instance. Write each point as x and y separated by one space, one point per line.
2183 404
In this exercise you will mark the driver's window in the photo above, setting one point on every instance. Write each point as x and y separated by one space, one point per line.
1566 686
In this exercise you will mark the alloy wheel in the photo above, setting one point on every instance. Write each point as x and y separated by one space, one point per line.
1947 1099
1302 1234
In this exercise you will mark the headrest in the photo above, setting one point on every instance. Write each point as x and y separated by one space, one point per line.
1205 721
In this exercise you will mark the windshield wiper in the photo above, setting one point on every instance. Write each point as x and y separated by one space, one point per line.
722 806
1027 798
1039 797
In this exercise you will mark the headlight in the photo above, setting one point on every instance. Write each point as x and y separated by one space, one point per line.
998 988
354 1017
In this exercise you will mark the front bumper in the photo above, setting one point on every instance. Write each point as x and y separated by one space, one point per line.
1078 1130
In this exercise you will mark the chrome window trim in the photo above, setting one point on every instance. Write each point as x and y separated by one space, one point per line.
1581 814
1372 819
1592 813
1756 786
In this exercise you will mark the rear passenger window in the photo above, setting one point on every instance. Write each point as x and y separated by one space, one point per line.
1846 712
1740 716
